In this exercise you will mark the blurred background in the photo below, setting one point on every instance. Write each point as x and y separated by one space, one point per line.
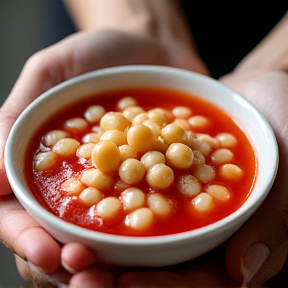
25 27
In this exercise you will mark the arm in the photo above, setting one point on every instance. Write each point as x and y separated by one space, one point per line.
160 21
160 18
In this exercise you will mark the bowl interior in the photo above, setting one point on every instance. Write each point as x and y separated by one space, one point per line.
246 115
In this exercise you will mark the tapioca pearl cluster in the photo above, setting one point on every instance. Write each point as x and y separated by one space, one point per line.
138 146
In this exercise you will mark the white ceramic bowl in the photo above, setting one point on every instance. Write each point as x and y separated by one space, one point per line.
143 251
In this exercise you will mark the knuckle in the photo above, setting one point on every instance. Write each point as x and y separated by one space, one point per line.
36 60
45 67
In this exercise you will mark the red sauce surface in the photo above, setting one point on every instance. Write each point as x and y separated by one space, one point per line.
44 185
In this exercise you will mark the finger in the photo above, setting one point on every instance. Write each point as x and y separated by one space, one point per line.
76 257
92 278
205 271
151 278
23 235
261 243
190 277
34 277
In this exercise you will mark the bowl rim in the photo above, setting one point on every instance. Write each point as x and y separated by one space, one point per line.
27 200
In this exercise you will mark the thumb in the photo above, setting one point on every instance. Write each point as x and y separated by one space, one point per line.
259 250
21 95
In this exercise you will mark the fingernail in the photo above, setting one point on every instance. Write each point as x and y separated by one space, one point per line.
253 260
68 268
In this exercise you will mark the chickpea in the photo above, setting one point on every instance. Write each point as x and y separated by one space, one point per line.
131 171
179 156
126 102
230 172
222 155
218 192
76 124
159 116
199 122
106 156
97 129
108 208
114 120
140 118
66 147
160 145
204 173
132 111
203 202
95 178
53 136
72 186
182 112
44 161
153 126
90 196
151 158
94 113
183 123
173 132
198 159
92 137
140 219
140 138
197 144
159 204
213 142
127 152
226 140
132 198
190 138
160 176
120 186
189 185
85 150
115 136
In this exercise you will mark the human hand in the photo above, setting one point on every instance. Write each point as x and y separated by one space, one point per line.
204 272
268 91
259 250
75 55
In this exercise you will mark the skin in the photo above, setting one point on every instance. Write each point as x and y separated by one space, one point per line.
265 84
